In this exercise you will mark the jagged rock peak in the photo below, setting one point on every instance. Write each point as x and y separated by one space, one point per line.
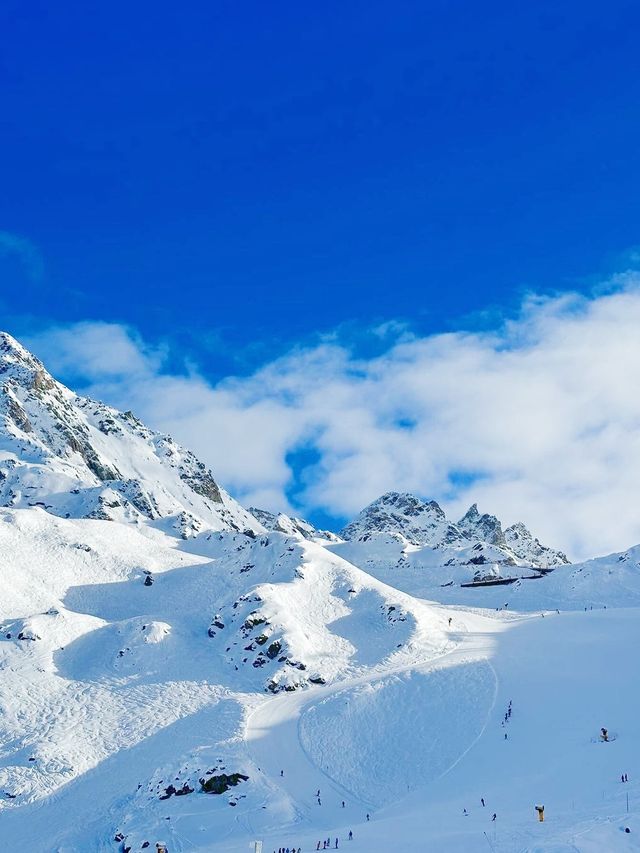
19 365
76 457
527 547
401 513
485 527
408 504
10 349
423 523
291 525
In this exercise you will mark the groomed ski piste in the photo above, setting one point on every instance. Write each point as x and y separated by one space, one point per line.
408 728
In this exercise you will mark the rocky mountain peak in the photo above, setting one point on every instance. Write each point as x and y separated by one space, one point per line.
484 527
76 457
424 524
527 547
401 513
292 526
17 364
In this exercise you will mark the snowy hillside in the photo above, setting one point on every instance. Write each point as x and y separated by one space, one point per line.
81 459
175 668
293 526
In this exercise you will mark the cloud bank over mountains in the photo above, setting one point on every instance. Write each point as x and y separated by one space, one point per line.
538 419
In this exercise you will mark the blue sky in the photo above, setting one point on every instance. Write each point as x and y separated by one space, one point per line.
239 176
226 182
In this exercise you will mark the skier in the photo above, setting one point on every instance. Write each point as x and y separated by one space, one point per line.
336 843
319 803
494 816
622 778
367 815
482 801
282 772
450 620
465 812
318 847
505 736
350 835
540 810
343 804
318 794
605 734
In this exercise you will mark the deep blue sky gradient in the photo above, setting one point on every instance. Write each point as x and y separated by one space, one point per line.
238 176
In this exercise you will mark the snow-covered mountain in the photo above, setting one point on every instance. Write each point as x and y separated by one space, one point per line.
78 458
175 668
403 514
404 523
283 523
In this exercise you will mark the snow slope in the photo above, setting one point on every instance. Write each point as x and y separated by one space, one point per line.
155 635
79 458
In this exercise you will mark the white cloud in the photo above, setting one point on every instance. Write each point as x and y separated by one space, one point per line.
92 351
544 412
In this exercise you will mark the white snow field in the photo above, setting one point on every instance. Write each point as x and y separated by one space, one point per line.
176 668
407 728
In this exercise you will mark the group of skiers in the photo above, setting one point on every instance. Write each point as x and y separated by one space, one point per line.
326 845
507 717
466 813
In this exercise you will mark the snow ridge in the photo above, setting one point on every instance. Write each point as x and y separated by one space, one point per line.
79 458
409 520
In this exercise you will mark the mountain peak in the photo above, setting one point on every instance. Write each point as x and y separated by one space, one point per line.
401 513
485 527
21 366
524 545
409 519
76 457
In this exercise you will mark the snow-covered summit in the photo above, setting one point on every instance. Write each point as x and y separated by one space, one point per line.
475 539
525 546
79 458
485 527
292 526
419 522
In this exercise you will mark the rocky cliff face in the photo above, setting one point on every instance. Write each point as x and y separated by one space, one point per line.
292 526
418 522
525 546
485 528
476 538
79 458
